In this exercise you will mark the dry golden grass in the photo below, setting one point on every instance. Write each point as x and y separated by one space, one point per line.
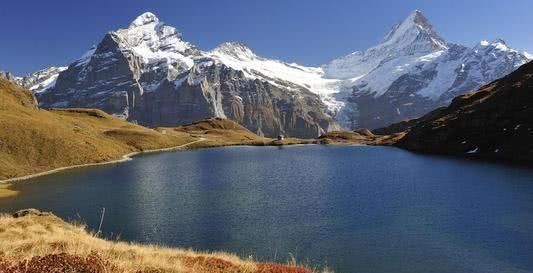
34 140
223 132
45 238
220 132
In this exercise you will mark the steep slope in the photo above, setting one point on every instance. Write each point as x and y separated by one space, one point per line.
496 122
34 140
147 73
413 71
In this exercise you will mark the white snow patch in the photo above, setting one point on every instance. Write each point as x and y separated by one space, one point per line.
240 57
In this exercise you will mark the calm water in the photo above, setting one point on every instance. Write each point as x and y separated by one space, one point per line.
354 208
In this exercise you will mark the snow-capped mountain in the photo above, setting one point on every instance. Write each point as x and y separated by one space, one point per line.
412 38
41 80
38 81
289 75
413 71
148 73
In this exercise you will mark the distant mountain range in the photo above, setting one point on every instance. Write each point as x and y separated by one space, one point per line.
147 73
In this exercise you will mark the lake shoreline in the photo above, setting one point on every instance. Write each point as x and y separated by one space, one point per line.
5 184
207 142
5 192
124 158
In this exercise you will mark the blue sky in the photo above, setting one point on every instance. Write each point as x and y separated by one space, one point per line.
37 34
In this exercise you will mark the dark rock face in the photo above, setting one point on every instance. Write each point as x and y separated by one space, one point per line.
223 92
496 122
108 80
265 108
394 106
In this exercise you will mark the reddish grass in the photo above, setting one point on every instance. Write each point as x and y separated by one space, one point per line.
279 268
211 265
214 265
58 263
93 263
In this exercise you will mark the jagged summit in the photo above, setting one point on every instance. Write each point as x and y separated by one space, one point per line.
414 32
420 20
144 19
414 36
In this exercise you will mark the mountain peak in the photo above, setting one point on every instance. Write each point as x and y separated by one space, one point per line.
419 19
416 28
498 44
235 49
144 19
499 41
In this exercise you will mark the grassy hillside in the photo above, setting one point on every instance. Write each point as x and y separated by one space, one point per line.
39 242
224 132
220 132
34 140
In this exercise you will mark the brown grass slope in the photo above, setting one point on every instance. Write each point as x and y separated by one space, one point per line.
220 132
34 140
224 132
34 242
495 122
